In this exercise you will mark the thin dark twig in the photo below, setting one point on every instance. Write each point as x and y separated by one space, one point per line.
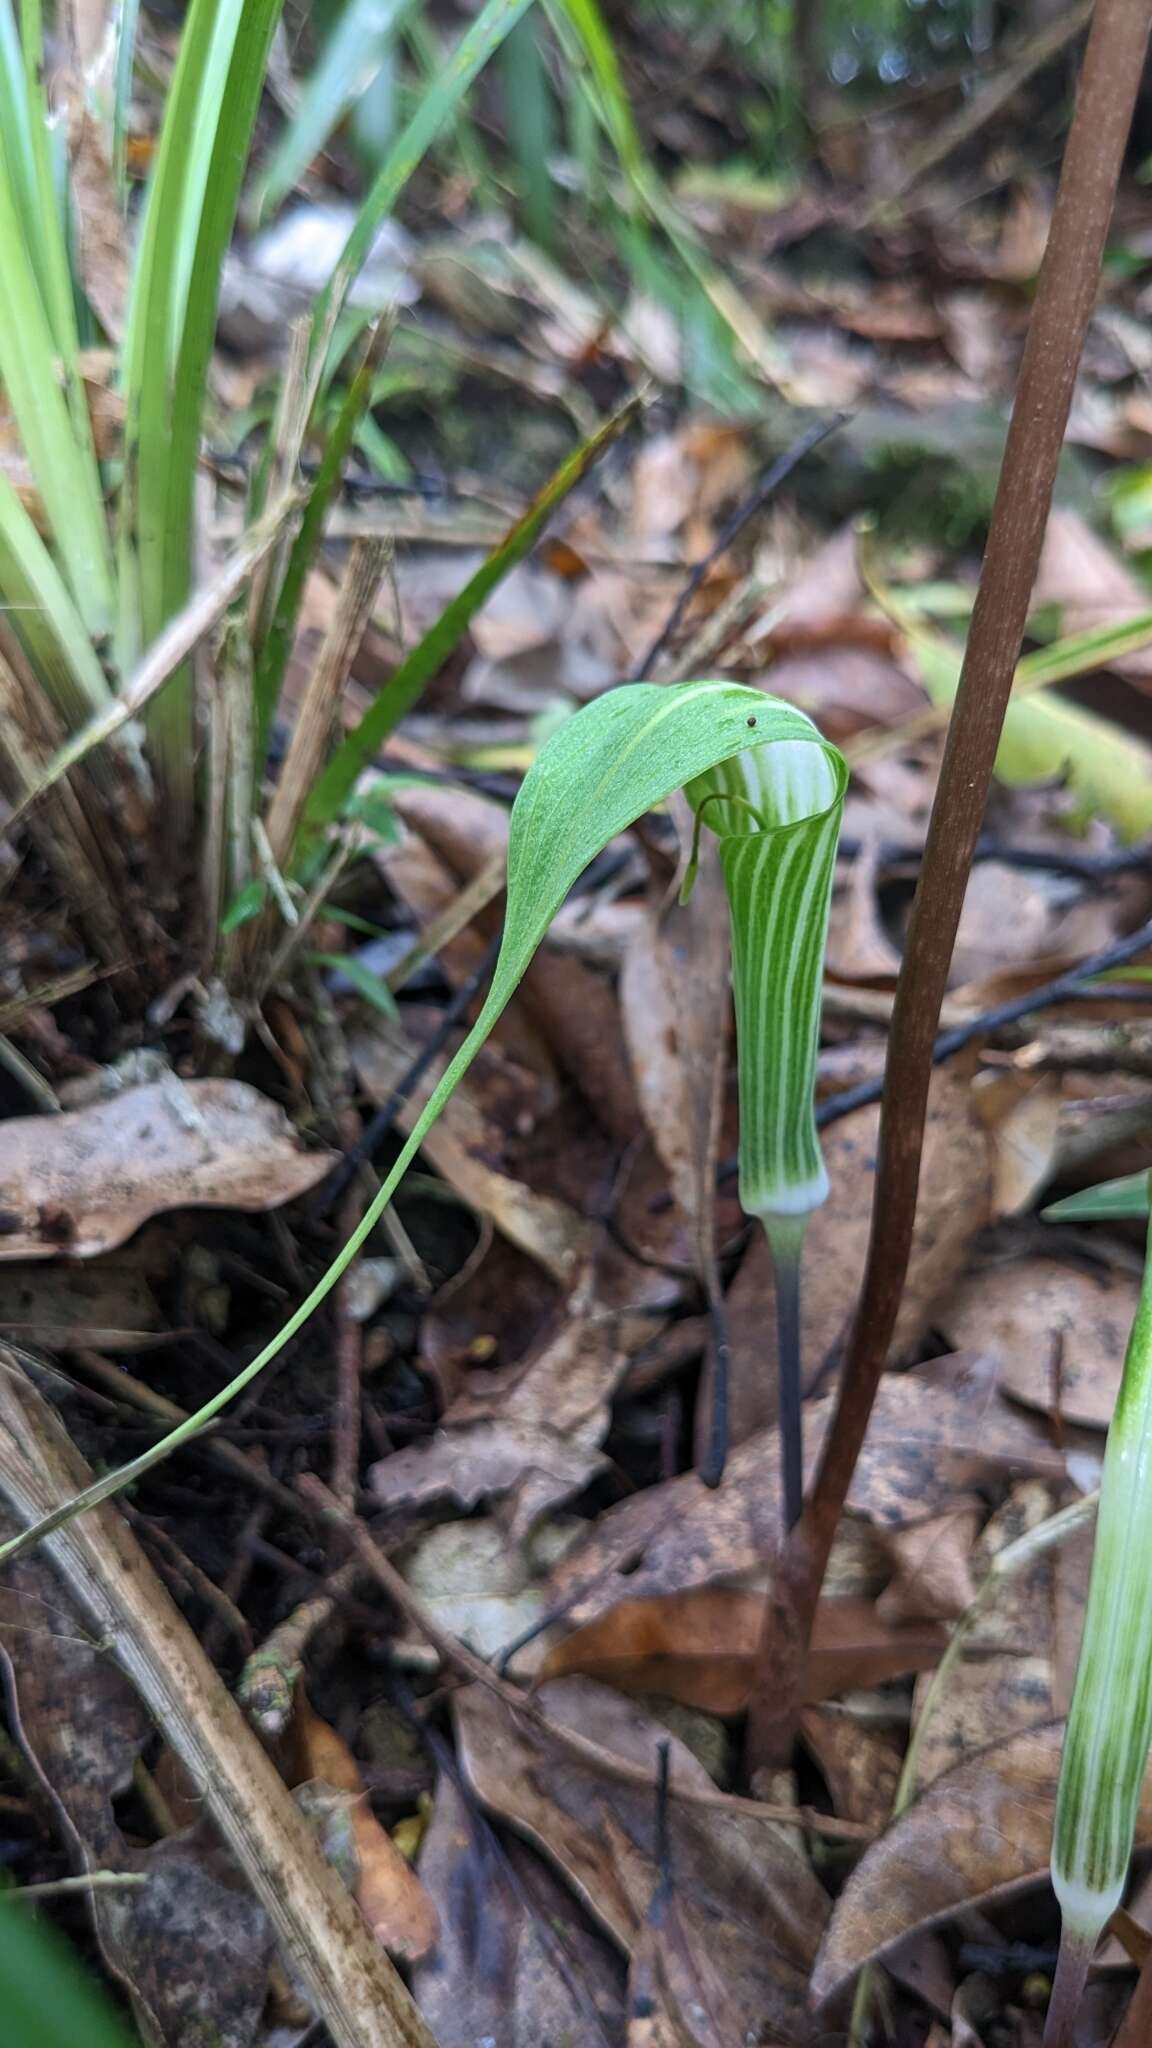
663 1892
378 1127
949 1042
757 498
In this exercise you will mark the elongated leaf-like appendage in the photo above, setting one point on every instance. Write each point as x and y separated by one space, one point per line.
1110 1723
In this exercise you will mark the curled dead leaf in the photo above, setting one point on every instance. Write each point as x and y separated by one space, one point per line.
748 1904
387 1889
699 1648
979 1834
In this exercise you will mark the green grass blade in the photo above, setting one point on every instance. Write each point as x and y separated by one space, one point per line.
1109 1729
496 20
597 774
38 352
346 67
48 2000
44 615
1109 1202
190 213
272 654
528 120
403 688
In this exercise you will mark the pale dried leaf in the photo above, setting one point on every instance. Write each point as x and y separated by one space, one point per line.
82 1182
1018 1659
542 1443
1093 587
1058 1332
101 228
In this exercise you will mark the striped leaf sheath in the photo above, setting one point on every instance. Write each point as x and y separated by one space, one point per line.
776 813
1110 1723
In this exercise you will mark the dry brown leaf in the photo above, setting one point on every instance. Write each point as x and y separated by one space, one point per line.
1092 586
699 1648
191 1948
517 1961
746 1899
387 1890
1026 1116
848 684
82 1182
859 1761
1013 917
978 1835
1018 1660
542 1444
935 1432
954 1200
675 1005
933 1577
1058 1332
106 1306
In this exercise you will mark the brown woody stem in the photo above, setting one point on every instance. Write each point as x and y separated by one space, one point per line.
1065 294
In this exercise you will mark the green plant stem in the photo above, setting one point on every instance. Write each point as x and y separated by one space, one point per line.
1065 295
1076 1953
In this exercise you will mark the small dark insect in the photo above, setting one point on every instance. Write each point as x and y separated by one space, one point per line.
751 721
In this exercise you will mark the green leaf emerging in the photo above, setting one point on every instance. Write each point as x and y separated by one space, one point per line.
598 773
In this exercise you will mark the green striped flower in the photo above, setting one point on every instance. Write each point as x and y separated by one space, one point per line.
776 814
1110 1723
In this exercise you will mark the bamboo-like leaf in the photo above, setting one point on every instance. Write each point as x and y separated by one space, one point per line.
597 774
400 692
44 616
348 63
188 221
437 105
1109 1729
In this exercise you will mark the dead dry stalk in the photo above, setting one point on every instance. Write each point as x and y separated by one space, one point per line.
353 1985
1065 295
